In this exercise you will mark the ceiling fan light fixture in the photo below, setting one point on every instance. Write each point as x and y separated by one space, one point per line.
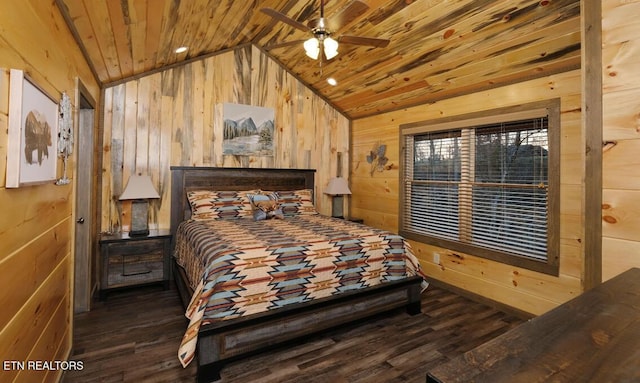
321 45
312 48
330 48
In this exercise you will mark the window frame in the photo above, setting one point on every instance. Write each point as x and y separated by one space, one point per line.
548 108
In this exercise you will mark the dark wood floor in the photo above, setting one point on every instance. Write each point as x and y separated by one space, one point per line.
134 335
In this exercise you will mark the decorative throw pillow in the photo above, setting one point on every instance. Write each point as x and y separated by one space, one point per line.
207 204
296 202
265 206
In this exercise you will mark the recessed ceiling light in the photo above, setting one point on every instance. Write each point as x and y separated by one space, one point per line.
332 81
181 50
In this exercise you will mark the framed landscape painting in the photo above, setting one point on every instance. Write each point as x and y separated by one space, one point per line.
247 130
33 129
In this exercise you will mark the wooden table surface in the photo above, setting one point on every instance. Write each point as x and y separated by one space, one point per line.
592 338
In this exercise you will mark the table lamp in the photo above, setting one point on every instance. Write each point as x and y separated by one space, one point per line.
337 188
139 189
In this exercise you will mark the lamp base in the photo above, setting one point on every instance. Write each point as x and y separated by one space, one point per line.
139 218
139 233
337 206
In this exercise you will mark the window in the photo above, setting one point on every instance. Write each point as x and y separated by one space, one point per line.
486 184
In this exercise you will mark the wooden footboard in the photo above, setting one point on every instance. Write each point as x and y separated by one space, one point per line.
225 341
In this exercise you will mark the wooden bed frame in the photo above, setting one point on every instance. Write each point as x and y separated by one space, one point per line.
222 342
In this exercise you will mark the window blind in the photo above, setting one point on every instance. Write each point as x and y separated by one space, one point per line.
485 186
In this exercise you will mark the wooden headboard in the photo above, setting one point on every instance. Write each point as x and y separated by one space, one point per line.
186 178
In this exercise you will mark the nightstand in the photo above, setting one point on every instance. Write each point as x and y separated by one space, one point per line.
132 261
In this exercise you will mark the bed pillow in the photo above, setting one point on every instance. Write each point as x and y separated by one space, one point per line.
207 204
296 202
265 206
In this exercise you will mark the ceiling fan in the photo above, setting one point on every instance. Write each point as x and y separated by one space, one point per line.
322 43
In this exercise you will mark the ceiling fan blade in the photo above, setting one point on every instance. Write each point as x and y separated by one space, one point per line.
354 10
285 19
283 45
370 41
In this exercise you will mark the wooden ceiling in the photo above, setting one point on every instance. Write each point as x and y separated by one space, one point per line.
437 49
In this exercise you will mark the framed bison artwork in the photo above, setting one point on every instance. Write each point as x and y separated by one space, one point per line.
33 128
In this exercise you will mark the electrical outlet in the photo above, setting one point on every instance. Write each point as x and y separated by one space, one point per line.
436 258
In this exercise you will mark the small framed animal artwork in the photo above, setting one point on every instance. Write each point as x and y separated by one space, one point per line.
33 128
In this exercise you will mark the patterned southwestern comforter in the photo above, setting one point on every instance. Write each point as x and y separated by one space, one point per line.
240 267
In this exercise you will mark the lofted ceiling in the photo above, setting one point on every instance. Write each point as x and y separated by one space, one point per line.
438 48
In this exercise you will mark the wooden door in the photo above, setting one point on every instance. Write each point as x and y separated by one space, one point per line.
85 265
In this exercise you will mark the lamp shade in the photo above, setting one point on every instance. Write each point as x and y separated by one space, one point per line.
312 48
337 186
330 48
139 187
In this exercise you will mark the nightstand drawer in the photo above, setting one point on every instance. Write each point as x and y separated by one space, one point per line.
132 247
134 268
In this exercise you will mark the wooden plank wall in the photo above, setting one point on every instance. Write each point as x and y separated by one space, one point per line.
621 136
173 117
375 197
36 230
